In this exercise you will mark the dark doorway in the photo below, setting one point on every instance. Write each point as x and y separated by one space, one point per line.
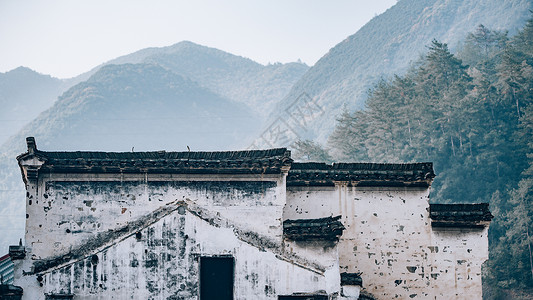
216 278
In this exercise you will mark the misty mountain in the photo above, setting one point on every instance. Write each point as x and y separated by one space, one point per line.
234 77
24 94
143 106
156 98
128 107
387 45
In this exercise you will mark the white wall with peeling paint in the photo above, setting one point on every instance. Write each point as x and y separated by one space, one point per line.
203 216
389 239
258 274
118 236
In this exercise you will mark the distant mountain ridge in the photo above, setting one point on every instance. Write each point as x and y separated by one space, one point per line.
24 94
234 77
138 105
387 45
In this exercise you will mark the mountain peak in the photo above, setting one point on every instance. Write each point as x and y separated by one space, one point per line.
23 71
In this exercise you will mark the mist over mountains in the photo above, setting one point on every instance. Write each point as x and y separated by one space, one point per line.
142 106
183 95
24 94
169 98
237 78
387 45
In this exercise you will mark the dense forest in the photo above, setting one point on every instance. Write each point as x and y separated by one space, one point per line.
387 45
471 113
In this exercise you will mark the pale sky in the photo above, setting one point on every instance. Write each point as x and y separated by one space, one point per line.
65 38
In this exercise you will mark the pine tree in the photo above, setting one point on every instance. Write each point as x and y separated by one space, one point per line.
309 151
475 123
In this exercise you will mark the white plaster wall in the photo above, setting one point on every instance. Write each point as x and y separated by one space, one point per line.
312 203
386 238
322 253
389 239
258 274
67 211
163 264
237 216
459 253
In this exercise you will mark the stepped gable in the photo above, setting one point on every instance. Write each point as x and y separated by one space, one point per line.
460 215
270 161
361 174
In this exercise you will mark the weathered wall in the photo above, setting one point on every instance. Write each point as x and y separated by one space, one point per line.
141 238
460 254
126 225
312 202
163 264
389 239
69 210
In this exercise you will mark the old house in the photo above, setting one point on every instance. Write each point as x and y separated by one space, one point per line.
240 225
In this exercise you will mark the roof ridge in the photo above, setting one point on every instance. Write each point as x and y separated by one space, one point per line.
361 166
166 154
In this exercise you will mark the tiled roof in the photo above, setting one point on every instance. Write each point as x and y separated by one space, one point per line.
218 162
361 174
351 279
328 229
9 291
460 215
364 295
271 161
156 155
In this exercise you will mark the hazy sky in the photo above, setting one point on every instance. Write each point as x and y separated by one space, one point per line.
67 37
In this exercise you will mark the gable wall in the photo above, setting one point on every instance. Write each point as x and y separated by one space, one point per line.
69 209
156 256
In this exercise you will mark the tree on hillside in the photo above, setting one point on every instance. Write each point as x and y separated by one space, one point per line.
481 44
512 255
475 123
309 151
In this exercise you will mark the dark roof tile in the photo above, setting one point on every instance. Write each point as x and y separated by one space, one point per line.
328 229
361 174
269 161
460 215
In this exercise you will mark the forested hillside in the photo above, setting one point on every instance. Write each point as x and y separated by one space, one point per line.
387 45
475 122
